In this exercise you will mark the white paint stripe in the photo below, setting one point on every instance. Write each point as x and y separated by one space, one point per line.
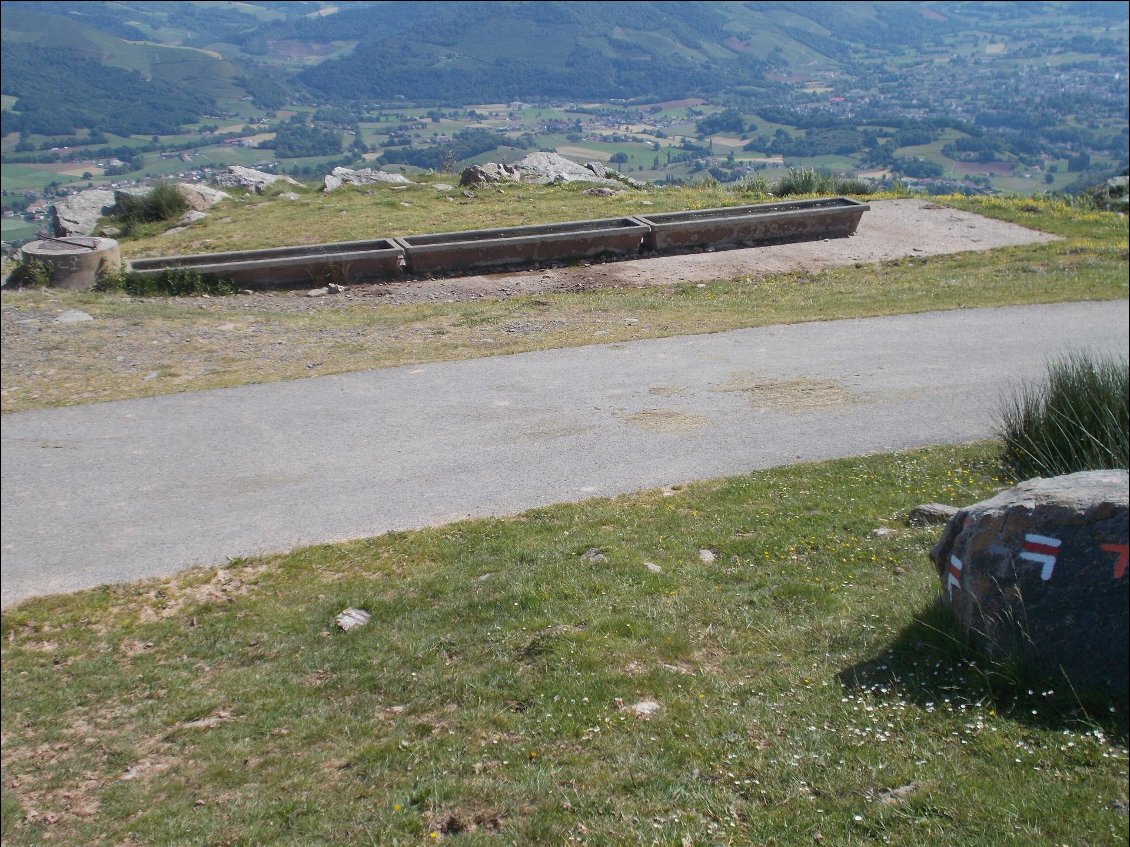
1043 539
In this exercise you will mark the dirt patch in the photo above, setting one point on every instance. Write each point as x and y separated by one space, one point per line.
789 394
666 420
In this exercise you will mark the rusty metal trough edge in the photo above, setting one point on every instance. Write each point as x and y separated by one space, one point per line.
508 247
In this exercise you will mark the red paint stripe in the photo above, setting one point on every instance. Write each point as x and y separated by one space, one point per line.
1043 549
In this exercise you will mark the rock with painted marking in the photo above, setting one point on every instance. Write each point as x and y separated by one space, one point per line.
1039 573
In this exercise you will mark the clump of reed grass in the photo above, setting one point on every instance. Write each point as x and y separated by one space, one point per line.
1077 419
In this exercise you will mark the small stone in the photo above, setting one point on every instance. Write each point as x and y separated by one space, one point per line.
882 532
149 377
654 568
631 321
352 618
644 709
334 288
318 292
72 316
594 556
930 513
706 556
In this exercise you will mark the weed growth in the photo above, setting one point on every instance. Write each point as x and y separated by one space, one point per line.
798 181
162 203
30 273
175 282
1078 419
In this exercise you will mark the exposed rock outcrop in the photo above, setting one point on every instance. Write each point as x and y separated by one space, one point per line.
79 213
338 177
251 179
200 198
1039 572
545 169
489 172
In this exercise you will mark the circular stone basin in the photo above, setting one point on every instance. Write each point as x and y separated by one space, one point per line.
73 262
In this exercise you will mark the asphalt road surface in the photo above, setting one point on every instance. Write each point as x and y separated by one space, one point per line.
119 491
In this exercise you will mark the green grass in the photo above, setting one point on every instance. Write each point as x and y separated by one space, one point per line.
236 345
800 676
1077 419
12 229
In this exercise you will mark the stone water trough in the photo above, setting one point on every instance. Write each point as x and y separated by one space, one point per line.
343 262
766 223
451 252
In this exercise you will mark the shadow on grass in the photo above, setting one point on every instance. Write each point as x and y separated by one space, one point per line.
930 664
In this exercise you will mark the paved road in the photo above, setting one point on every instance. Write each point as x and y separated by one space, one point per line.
118 491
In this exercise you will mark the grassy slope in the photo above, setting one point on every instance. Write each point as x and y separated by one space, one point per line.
801 677
138 348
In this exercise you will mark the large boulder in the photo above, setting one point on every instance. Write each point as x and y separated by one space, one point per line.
1039 573
544 169
338 177
238 176
79 213
200 198
547 168
489 172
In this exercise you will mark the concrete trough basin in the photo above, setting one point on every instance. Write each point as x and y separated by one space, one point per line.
766 223
453 252
343 263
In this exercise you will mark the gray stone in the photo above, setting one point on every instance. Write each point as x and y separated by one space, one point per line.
594 556
339 176
551 168
930 513
443 186
201 198
72 316
352 619
1039 573
489 172
602 191
597 168
79 213
190 217
238 176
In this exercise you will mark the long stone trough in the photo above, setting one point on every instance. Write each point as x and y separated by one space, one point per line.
343 262
448 253
483 249
766 223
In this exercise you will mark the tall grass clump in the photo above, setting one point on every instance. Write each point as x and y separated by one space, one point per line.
1077 419
810 181
174 282
161 203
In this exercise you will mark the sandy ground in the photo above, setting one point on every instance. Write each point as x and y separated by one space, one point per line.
890 229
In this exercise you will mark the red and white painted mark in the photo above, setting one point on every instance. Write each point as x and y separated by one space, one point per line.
1123 551
953 575
1043 550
